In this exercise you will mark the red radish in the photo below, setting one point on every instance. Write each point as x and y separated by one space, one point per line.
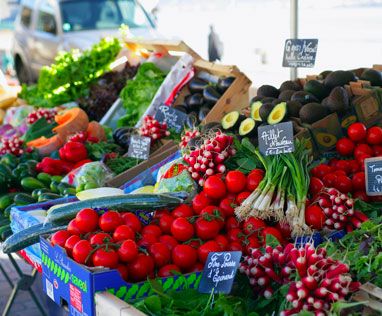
356 222
361 216
315 185
310 282
321 292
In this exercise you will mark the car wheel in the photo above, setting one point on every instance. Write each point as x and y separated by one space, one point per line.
21 71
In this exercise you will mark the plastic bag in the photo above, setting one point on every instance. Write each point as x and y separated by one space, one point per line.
16 116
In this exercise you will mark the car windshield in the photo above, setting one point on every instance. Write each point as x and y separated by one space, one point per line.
80 15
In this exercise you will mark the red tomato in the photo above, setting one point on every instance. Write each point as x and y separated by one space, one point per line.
235 234
252 225
196 243
60 237
377 150
184 256
343 165
340 173
128 251
315 186
140 268
332 162
214 187
132 221
160 254
81 251
182 229
123 232
254 178
105 258
165 223
183 210
235 181
357 132
123 271
345 147
252 243
321 170
87 220
353 166
73 228
200 201
242 197
272 231
358 181
169 241
159 214
361 160
70 243
196 268
374 135
100 239
152 229
207 229
362 149
315 217
235 246
205 249
343 184
330 179
167 270
227 206
361 195
213 212
284 228
222 241
231 223
109 221
147 240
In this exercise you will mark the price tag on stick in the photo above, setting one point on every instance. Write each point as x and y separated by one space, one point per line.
373 175
276 139
300 53
172 117
219 272
139 147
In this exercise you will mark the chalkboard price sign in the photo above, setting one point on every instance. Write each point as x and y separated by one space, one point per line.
373 174
276 139
219 272
300 53
174 118
139 147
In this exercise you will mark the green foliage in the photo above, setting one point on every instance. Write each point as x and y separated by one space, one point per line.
245 159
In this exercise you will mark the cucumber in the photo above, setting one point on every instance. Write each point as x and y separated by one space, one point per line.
44 178
7 211
5 170
126 202
30 183
4 227
7 200
29 236
37 192
48 196
57 178
6 233
69 191
24 199
54 186
4 221
62 187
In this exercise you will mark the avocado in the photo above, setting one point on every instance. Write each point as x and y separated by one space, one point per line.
317 89
293 108
286 95
372 75
268 91
312 112
248 127
276 101
265 110
267 100
325 73
337 101
278 113
303 97
232 120
255 99
255 107
339 78
290 85
326 140
212 126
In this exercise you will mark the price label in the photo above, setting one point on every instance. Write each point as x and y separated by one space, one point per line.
300 53
139 147
172 117
373 175
219 272
276 139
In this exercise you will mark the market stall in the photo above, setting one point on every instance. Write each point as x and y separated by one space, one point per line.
158 183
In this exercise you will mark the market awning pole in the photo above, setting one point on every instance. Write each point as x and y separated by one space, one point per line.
293 30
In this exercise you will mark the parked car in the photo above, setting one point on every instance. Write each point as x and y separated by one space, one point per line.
45 27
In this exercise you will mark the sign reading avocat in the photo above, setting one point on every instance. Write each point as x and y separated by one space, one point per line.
300 53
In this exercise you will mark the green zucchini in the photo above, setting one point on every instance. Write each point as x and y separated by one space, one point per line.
57 178
126 202
44 178
24 199
48 196
4 227
7 200
30 183
29 236
6 233
4 221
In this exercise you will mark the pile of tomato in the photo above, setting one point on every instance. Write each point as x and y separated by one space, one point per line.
178 240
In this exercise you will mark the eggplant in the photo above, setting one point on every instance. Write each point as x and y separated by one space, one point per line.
124 140
211 96
224 84
197 85
204 110
192 120
181 108
121 131
194 102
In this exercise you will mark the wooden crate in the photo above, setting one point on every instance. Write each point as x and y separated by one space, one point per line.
371 296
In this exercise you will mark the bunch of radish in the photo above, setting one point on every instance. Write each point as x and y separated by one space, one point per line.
339 210
153 129
316 280
187 136
13 145
48 114
208 158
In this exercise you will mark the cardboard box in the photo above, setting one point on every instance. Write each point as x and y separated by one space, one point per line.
68 283
369 107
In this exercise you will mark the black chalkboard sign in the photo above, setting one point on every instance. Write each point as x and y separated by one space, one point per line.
276 139
300 53
139 147
373 175
174 118
219 272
